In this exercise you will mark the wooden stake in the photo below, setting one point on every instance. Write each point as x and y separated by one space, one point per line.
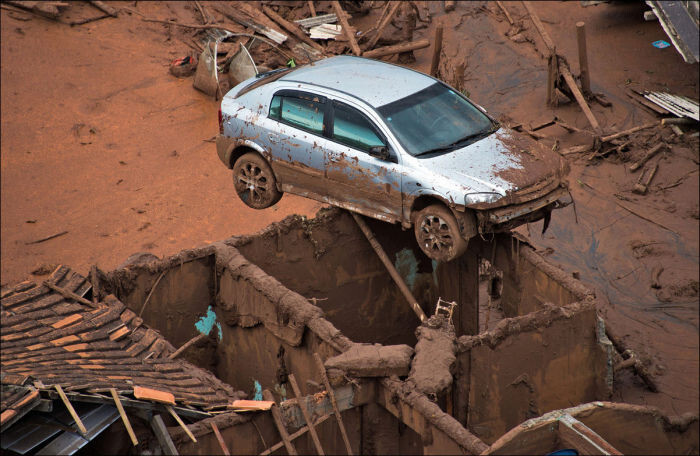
307 416
334 403
396 49
277 417
222 444
383 23
125 419
311 8
346 27
505 11
583 57
161 433
186 345
71 410
390 267
437 49
568 77
552 78
182 425
540 28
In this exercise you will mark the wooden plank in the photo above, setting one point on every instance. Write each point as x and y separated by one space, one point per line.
583 57
245 405
346 27
383 23
180 422
307 416
437 49
102 6
186 345
303 430
69 294
95 284
125 419
277 417
336 410
629 131
150 394
312 10
71 410
540 28
584 439
568 77
161 433
291 28
505 11
635 166
222 444
396 49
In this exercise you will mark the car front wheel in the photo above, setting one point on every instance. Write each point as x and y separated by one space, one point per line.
255 182
437 233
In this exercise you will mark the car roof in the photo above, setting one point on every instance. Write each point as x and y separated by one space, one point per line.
377 83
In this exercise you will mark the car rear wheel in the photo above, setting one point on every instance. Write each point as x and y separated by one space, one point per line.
437 233
255 182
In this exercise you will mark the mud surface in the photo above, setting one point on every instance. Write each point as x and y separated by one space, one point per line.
100 141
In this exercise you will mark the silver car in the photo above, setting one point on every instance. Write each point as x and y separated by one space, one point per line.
387 142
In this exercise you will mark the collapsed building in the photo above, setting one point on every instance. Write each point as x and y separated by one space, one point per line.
305 322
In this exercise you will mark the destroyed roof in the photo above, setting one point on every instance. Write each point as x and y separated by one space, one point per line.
50 339
377 83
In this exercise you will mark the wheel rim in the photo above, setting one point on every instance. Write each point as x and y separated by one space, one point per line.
253 183
435 234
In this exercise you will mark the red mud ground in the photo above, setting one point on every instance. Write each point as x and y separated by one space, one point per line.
100 141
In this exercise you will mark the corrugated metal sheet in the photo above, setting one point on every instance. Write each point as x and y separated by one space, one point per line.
679 20
678 105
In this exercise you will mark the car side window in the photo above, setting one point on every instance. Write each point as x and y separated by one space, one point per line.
306 114
352 128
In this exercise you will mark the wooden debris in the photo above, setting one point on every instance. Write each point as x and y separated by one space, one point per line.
143 307
277 417
291 28
540 28
205 20
150 394
125 419
245 405
644 102
161 433
255 19
678 121
568 77
583 57
186 345
317 20
655 275
311 8
303 430
89 19
307 416
53 236
552 78
396 49
586 441
180 422
219 437
71 410
44 9
105 8
68 294
95 284
349 32
646 157
628 131
437 49
384 22
334 403
505 11
642 184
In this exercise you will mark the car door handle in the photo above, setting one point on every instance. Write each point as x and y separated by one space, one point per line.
273 138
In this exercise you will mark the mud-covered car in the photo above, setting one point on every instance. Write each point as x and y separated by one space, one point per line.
387 142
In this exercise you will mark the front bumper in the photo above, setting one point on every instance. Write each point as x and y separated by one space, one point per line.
511 216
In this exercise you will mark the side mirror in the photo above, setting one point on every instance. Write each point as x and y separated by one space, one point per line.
381 152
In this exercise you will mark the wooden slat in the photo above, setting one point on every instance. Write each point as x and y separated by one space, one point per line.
346 27
336 410
161 432
71 410
125 419
305 412
181 423
277 417
222 444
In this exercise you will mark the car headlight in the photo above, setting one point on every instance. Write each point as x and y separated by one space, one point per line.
484 197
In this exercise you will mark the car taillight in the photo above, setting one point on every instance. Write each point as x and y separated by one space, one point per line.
221 122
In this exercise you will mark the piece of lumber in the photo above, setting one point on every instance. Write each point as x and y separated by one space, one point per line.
277 417
678 121
571 128
540 28
95 284
389 266
334 403
151 394
437 49
349 33
161 433
396 49
220 438
505 11
292 28
302 430
312 10
583 57
68 294
44 239
629 131
635 166
105 8
583 438
642 184
449 5
181 423
243 405
205 20
125 419
552 78
71 410
186 345
89 19
568 77
383 23
307 416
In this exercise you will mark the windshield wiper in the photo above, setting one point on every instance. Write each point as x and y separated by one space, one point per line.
457 143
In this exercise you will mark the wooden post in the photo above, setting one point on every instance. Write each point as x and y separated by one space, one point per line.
437 49
94 282
125 418
390 267
222 444
277 416
334 403
383 23
583 57
349 33
164 439
552 78
307 416
71 410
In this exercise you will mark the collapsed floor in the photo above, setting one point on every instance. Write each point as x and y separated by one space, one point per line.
260 309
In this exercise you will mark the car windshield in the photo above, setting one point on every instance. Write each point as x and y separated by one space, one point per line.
436 119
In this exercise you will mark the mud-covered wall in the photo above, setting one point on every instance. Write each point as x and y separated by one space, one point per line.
530 365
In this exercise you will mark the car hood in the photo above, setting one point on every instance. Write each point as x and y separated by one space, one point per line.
503 162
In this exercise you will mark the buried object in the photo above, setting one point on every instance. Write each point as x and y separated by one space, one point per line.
389 143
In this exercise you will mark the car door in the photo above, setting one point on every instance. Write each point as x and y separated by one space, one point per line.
361 180
296 140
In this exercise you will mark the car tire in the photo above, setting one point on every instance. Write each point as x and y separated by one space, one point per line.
255 182
437 233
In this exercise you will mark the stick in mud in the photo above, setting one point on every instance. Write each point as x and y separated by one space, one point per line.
437 49
396 49
46 238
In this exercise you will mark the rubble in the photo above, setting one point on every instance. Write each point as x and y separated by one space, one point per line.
373 360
